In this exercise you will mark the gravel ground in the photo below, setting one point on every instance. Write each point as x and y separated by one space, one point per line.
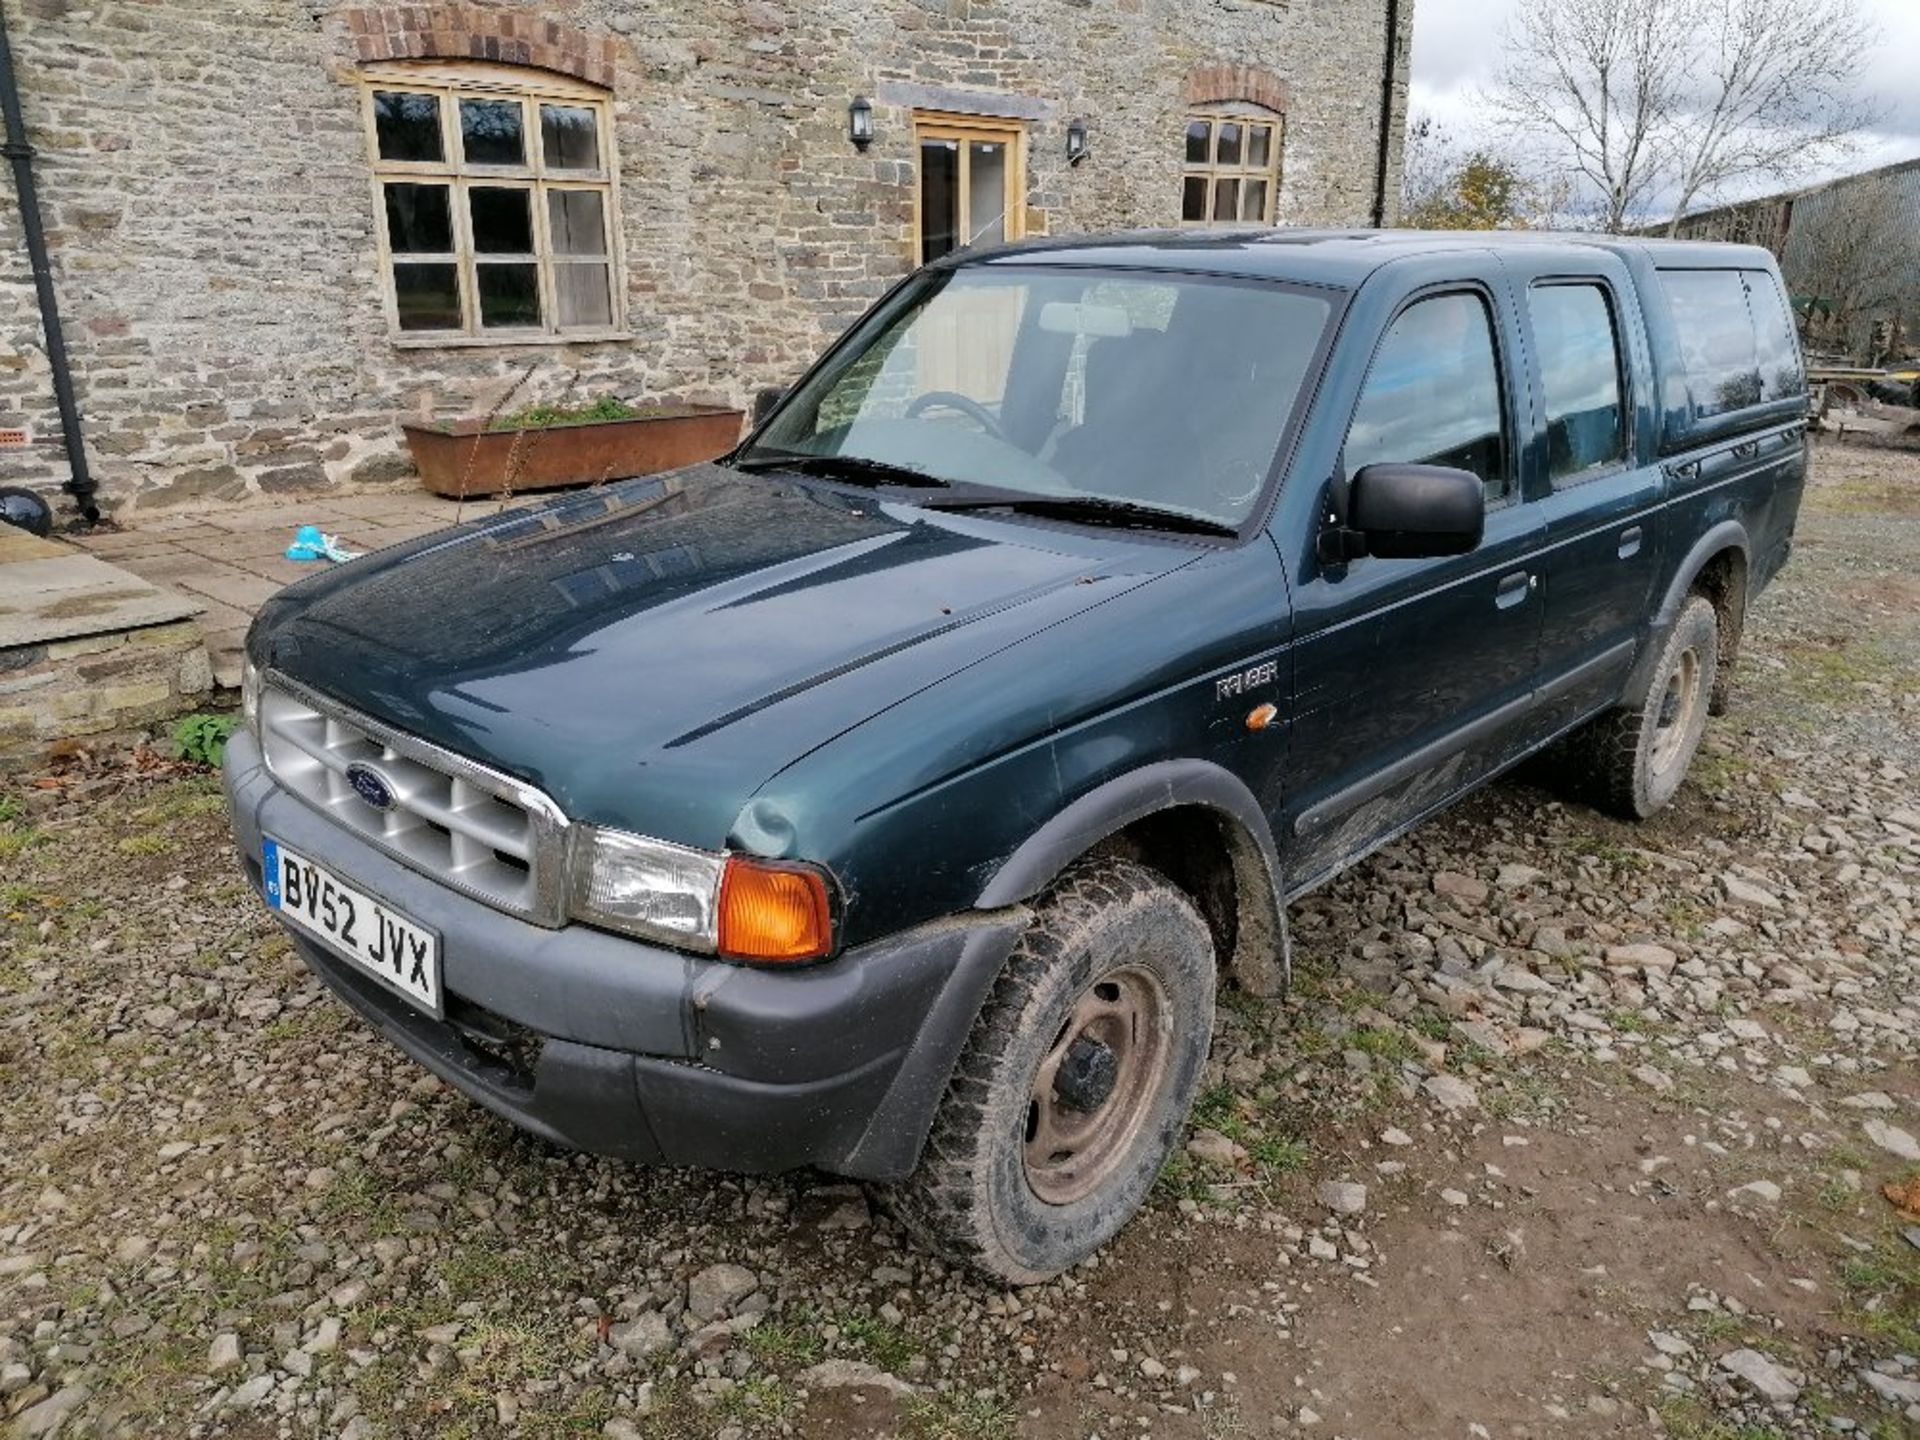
1567 1128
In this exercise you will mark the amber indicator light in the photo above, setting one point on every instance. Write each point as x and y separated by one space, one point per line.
774 912
1260 717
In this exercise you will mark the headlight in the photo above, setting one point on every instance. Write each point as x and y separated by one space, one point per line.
647 887
250 694
763 911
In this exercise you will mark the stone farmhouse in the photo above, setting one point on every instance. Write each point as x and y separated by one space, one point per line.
277 228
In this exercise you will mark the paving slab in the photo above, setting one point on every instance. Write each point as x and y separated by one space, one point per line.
239 545
69 594
230 585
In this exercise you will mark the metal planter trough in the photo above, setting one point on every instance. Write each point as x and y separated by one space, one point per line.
465 457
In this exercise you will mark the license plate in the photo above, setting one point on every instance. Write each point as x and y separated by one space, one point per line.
401 954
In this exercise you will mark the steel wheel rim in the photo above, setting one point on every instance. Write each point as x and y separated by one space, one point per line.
1069 1152
1674 722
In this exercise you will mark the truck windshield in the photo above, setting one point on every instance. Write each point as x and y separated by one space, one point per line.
1167 392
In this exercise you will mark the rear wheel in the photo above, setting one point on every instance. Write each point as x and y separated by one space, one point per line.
1076 1081
1631 761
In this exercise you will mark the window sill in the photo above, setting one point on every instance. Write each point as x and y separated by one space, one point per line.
419 340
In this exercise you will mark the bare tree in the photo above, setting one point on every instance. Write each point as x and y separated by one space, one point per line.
1677 100
1772 97
1429 161
1596 80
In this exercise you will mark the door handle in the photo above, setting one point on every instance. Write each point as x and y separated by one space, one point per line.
1630 539
1685 470
1747 449
1512 589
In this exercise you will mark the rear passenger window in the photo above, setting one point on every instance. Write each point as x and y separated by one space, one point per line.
1716 339
1433 395
1579 351
1781 375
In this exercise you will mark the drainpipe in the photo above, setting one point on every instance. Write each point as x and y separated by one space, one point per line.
80 482
1388 68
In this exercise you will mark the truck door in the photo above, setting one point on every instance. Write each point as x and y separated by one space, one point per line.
1591 472
1412 676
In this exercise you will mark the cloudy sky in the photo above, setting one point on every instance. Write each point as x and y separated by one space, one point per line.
1456 48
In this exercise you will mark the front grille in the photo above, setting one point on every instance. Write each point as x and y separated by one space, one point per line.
482 833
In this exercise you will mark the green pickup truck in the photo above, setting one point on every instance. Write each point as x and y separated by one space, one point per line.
893 795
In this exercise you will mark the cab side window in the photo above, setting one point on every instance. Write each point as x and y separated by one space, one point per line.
1716 339
1782 376
1433 395
1577 342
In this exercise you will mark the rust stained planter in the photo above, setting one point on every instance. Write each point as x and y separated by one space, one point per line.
465 458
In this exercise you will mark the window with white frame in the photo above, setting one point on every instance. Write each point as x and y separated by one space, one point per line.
1232 170
494 200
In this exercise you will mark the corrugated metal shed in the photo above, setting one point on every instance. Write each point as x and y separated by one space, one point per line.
1788 224
1895 190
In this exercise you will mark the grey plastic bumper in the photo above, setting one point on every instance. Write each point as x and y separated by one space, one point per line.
627 1049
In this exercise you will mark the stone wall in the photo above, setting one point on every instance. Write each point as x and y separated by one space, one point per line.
205 183
26 382
102 689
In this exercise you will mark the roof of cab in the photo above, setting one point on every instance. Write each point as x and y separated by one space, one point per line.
1325 257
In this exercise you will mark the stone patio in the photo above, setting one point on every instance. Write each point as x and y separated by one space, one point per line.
88 650
229 559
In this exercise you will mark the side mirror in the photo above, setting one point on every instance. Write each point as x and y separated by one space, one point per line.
1406 512
765 400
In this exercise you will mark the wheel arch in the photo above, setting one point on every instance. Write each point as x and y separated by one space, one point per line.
1193 821
1716 566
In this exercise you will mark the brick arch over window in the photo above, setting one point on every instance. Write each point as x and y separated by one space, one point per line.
1224 83
467 32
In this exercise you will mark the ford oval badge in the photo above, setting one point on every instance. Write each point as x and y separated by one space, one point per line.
371 786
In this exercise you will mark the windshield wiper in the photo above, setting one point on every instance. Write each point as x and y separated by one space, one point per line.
858 469
1093 509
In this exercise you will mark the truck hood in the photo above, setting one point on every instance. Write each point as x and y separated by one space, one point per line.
650 652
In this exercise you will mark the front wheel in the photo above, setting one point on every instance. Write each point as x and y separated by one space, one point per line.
1630 761
1076 1081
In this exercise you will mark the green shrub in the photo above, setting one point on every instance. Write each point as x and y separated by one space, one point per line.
542 417
203 737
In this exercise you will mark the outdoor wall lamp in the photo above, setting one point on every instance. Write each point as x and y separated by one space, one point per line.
860 122
1076 141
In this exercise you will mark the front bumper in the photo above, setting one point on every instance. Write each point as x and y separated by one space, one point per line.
608 1044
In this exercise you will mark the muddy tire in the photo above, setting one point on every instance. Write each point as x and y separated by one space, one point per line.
1075 1084
1630 761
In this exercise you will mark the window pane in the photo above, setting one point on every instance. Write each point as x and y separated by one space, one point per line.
1253 201
1433 394
939 197
569 137
407 125
1193 198
502 220
987 192
419 219
427 297
581 296
490 132
1229 153
577 222
1226 199
509 295
1716 338
1579 375
1199 133
1260 145
1116 354
1780 371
